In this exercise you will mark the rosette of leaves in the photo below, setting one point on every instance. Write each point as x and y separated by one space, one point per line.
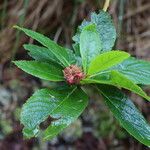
92 62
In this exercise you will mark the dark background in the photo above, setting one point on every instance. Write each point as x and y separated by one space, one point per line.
96 129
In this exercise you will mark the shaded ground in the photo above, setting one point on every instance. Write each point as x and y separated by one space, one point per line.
58 19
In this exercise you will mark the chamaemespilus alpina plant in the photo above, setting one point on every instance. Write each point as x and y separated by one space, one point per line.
92 62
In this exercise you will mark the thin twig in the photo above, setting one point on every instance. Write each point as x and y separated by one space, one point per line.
106 5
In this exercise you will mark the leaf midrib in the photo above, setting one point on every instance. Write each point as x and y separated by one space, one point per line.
45 73
114 58
61 102
116 107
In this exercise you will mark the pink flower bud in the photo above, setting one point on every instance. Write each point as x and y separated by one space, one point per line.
73 74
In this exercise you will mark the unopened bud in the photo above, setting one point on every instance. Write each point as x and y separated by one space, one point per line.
73 74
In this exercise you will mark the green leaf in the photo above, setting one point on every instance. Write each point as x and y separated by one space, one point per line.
76 48
136 70
117 79
105 28
90 45
41 70
64 105
60 53
121 81
40 53
126 113
72 57
106 60
45 55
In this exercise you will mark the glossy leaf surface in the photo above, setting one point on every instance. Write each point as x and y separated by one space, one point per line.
126 113
105 28
117 79
45 55
90 45
40 53
60 53
64 108
136 70
106 60
41 70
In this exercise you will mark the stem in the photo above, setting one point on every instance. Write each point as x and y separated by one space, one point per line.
106 5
